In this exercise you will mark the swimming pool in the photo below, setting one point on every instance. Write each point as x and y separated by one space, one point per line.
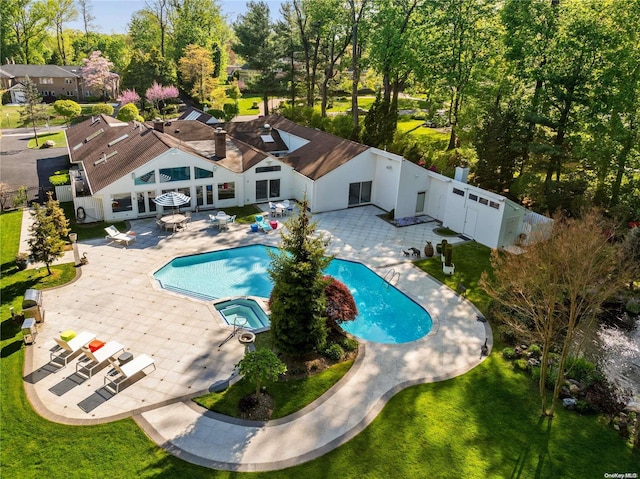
385 314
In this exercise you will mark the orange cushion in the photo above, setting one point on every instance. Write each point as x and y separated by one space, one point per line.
95 345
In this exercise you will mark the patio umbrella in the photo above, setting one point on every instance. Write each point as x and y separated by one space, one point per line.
173 199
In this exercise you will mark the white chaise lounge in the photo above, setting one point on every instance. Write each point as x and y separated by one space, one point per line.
127 371
114 235
90 361
67 350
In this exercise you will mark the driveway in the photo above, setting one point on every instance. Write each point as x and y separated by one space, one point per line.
32 168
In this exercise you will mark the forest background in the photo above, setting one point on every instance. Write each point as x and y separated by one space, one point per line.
538 97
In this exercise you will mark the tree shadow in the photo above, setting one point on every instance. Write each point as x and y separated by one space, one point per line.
9 328
11 348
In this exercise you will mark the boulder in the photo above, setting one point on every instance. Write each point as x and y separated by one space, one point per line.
569 403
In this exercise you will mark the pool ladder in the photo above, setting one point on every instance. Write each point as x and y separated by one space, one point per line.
390 276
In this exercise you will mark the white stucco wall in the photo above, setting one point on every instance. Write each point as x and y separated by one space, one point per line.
284 175
412 180
171 158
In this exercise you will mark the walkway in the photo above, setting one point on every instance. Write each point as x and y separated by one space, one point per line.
116 298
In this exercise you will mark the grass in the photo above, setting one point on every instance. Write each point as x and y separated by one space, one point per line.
10 116
482 424
471 259
290 396
57 137
244 214
89 230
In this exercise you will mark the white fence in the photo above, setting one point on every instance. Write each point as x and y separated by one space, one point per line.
535 227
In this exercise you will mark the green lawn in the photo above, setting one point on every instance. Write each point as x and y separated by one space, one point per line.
57 137
482 424
470 259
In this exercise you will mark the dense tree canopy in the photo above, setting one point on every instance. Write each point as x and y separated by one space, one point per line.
546 91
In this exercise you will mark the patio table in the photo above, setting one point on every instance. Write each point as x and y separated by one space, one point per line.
173 221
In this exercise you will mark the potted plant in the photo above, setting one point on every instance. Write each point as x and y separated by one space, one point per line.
22 260
428 249
440 247
447 266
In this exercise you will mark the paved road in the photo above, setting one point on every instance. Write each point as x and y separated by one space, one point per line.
32 168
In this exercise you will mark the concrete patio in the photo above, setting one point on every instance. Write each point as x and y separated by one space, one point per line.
117 298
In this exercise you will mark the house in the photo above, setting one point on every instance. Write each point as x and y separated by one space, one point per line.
53 82
122 167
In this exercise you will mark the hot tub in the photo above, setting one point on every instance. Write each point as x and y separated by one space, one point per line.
243 312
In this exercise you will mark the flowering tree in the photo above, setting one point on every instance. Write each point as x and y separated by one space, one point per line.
128 96
157 94
96 72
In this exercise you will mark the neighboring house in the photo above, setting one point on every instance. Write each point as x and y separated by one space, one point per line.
53 82
123 166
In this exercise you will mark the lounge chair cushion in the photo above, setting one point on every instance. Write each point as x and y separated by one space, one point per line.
67 335
95 345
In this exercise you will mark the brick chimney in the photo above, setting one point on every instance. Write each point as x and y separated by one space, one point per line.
221 143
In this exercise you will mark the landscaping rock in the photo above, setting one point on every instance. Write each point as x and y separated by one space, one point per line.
49 144
569 403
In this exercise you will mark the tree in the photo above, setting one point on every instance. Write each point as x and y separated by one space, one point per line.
48 228
68 109
498 144
128 112
102 109
380 123
62 11
257 45
357 11
87 18
554 285
297 300
199 22
96 72
158 95
341 306
160 10
34 110
146 67
261 365
27 22
196 68
631 254
128 96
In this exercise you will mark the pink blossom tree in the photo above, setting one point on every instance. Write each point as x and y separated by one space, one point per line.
158 94
128 96
96 72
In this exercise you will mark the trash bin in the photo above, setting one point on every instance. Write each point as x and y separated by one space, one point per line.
29 331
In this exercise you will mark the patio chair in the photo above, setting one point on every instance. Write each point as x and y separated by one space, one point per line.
114 235
127 371
187 221
263 224
67 350
90 361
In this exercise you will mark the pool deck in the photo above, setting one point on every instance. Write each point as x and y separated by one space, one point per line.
116 298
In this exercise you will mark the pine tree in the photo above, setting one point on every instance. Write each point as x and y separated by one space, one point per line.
49 225
297 301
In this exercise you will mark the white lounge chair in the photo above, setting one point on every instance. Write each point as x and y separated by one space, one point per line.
114 235
68 350
128 370
90 361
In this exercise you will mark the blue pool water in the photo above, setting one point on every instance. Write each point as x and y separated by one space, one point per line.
243 312
385 314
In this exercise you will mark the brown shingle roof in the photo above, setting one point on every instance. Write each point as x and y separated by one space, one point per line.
92 140
322 154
